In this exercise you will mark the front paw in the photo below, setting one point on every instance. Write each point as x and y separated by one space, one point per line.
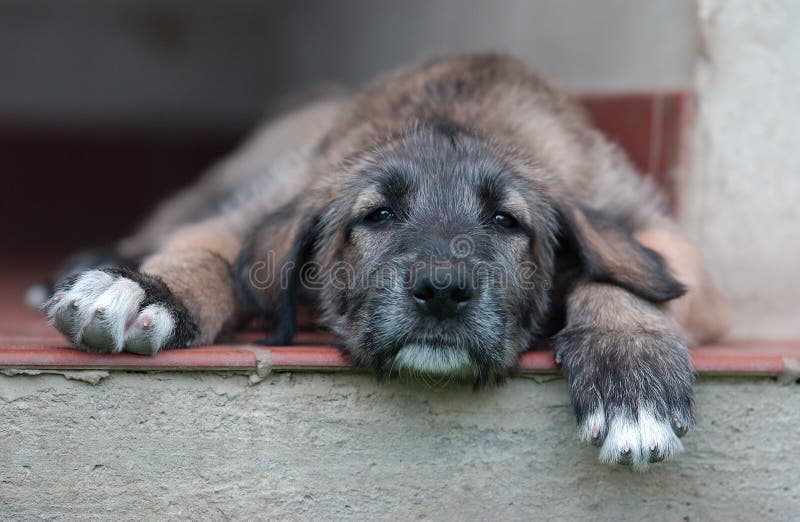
112 310
632 392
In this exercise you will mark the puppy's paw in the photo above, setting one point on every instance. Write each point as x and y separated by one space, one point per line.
632 393
112 310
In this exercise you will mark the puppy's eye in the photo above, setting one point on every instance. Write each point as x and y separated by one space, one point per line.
379 215
505 220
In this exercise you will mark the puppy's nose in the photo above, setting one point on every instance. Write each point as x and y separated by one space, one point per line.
443 294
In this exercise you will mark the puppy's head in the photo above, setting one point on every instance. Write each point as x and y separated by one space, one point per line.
433 252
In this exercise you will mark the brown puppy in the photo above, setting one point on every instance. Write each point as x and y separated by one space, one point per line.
439 220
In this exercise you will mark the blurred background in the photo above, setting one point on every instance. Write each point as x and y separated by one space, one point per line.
114 104
108 106
216 64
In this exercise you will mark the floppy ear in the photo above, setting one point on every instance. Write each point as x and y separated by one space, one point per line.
607 252
269 267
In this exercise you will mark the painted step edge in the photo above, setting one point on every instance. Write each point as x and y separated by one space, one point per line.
765 358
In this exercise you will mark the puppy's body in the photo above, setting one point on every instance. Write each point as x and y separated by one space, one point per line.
471 208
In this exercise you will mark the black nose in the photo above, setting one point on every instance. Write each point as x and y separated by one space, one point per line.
444 293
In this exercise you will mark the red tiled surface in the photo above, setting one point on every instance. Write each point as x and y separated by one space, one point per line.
649 128
26 341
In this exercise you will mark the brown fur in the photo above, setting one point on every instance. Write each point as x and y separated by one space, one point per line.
201 252
489 92
493 93
474 148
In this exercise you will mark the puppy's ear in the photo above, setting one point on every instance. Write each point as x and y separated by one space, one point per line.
608 253
269 267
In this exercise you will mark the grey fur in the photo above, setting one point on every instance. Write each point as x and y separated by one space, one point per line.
583 248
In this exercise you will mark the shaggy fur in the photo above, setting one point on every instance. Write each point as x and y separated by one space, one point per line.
439 220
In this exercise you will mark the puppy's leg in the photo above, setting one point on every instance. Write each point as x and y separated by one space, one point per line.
629 374
184 293
181 296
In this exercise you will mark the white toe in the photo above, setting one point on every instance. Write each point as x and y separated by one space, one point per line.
622 438
151 330
593 427
67 311
110 314
657 437
639 441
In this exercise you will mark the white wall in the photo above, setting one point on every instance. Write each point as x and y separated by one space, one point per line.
741 199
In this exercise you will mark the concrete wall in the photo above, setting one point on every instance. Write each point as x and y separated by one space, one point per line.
741 199
314 446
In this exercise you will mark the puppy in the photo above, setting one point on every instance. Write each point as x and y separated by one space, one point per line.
439 221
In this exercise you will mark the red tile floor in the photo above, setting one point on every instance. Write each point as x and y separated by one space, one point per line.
27 341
